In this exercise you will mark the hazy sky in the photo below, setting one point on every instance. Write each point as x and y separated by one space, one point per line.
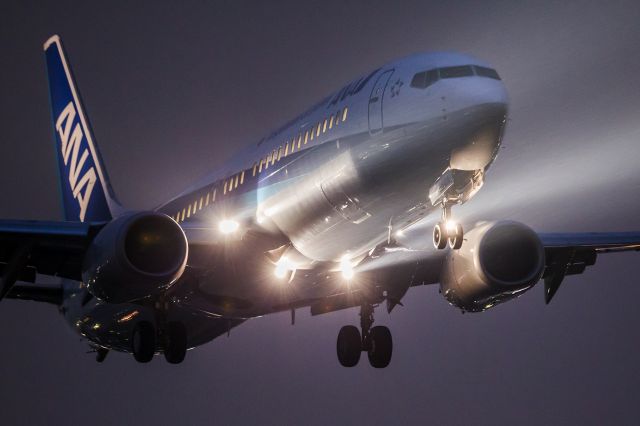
173 89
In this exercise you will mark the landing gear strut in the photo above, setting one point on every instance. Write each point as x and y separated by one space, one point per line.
376 341
447 230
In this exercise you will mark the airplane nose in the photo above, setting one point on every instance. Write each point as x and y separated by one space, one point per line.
482 111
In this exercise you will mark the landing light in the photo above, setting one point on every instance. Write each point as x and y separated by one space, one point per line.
283 267
346 268
228 226
451 225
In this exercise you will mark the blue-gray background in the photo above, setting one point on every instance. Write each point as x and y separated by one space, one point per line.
174 88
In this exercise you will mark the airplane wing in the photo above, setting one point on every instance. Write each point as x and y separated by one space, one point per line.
600 242
570 254
565 254
44 247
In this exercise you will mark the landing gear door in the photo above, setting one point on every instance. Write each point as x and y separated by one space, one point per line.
375 102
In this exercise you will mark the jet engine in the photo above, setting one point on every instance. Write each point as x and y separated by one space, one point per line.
134 256
497 262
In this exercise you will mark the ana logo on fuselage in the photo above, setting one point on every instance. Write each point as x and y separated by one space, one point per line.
71 139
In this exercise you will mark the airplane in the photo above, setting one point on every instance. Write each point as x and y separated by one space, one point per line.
306 218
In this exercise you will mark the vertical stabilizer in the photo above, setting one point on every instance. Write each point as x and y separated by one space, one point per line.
86 192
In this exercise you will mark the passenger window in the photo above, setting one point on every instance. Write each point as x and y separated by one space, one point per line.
318 129
299 139
213 197
456 72
344 114
201 201
237 181
486 72
331 121
225 187
189 211
313 131
306 137
255 167
183 212
324 126
206 203
195 205
242 177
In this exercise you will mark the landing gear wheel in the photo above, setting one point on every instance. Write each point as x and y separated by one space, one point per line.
349 346
455 237
380 346
176 343
440 235
143 341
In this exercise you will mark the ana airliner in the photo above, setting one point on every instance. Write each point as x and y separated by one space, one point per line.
306 218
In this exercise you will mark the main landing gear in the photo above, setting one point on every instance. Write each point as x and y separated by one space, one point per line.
376 341
144 340
447 230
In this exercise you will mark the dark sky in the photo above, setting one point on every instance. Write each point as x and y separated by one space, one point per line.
173 89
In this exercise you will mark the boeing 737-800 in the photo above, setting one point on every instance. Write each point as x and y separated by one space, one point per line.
305 218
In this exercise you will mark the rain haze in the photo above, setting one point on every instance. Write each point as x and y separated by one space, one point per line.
174 88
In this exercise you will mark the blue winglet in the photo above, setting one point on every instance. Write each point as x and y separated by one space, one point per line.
86 191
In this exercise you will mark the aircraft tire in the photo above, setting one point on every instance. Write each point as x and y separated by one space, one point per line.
381 347
440 236
143 341
455 240
349 346
176 345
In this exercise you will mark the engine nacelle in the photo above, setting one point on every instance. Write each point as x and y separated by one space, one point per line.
497 262
134 256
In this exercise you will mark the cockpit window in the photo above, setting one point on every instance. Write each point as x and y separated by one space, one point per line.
424 79
418 80
486 72
455 72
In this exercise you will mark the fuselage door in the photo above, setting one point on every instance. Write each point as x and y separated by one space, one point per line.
375 102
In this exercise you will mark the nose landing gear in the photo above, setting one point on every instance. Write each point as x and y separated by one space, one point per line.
376 341
447 231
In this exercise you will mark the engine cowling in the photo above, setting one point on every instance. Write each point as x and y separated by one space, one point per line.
134 256
497 262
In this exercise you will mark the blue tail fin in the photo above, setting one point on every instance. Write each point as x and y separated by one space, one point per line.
86 192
